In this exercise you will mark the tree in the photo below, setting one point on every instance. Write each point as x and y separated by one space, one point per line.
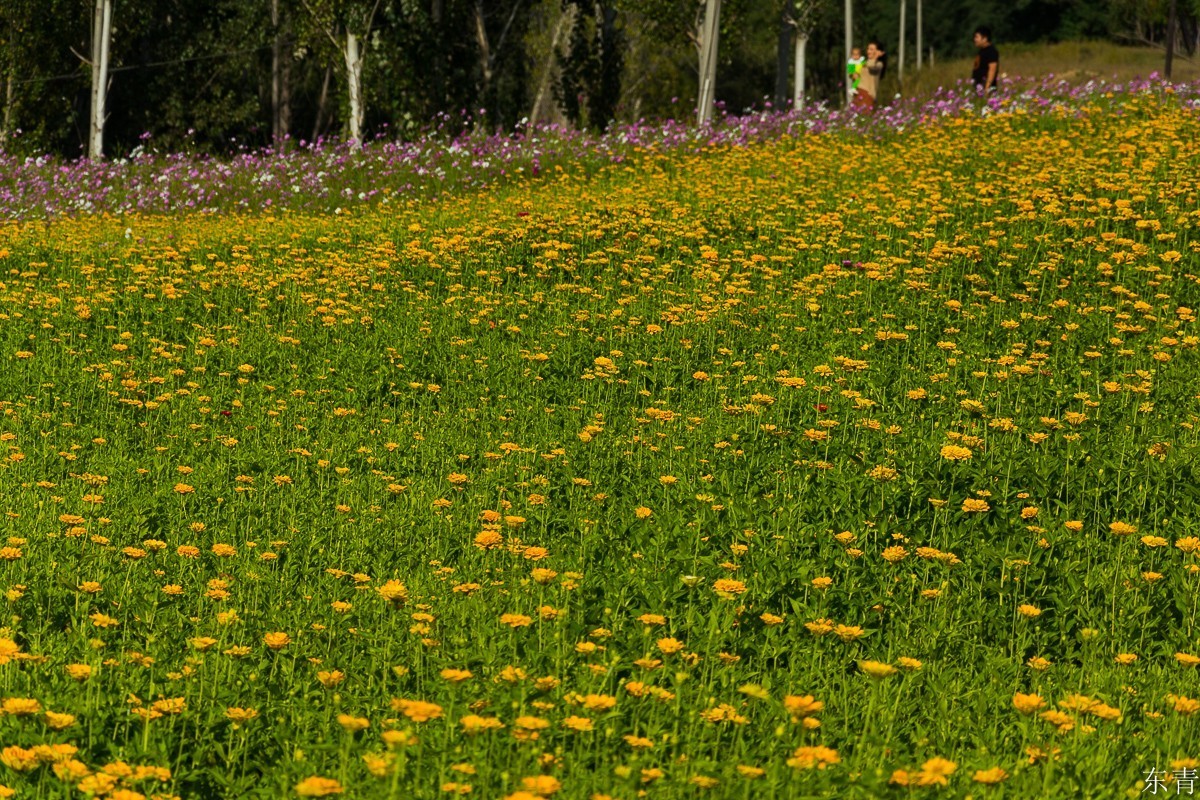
348 25
709 41
589 82
803 17
101 36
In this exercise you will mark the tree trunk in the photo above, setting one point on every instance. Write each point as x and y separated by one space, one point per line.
1172 19
285 88
566 21
101 31
276 69
849 47
900 70
281 76
708 62
782 57
485 54
799 85
10 71
354 65
322 100
920 37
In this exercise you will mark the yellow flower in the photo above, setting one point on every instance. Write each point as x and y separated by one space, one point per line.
541 785
816 756
989 777
1125 659
580 724
727 588
819 627
79 672
56 721
1027 703
936 772
379 765
8 649
473 724
973 505
352 724
876 669
1029 611
393 591
1188 544
20 706
417 710
183 488
329 679
277 640
669 645
489 540
755 691
847 633
1184 705
801 706
239 716
516 620
641 512
541 575
318 787
1186 659
1122 528
953 452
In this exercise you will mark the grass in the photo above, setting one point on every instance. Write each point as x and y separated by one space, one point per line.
821 467
1077 62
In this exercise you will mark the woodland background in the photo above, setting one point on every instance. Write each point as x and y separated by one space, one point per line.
222 75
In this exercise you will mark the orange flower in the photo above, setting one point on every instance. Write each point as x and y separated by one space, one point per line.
277 640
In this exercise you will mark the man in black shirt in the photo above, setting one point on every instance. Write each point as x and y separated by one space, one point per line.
986 71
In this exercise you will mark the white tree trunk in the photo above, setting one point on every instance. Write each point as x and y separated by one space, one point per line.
354 64
801 49
101 31
919 36
849 46
708 62
903 13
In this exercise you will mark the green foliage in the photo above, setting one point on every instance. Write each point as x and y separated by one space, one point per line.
206 67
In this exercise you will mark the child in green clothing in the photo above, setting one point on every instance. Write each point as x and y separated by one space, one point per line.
854 70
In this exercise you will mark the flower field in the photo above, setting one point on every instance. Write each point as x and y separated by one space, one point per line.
768 467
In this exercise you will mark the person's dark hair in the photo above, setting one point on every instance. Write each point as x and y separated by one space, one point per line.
985 32
883 55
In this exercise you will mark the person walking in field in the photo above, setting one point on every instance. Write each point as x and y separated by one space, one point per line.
986 71
872 72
